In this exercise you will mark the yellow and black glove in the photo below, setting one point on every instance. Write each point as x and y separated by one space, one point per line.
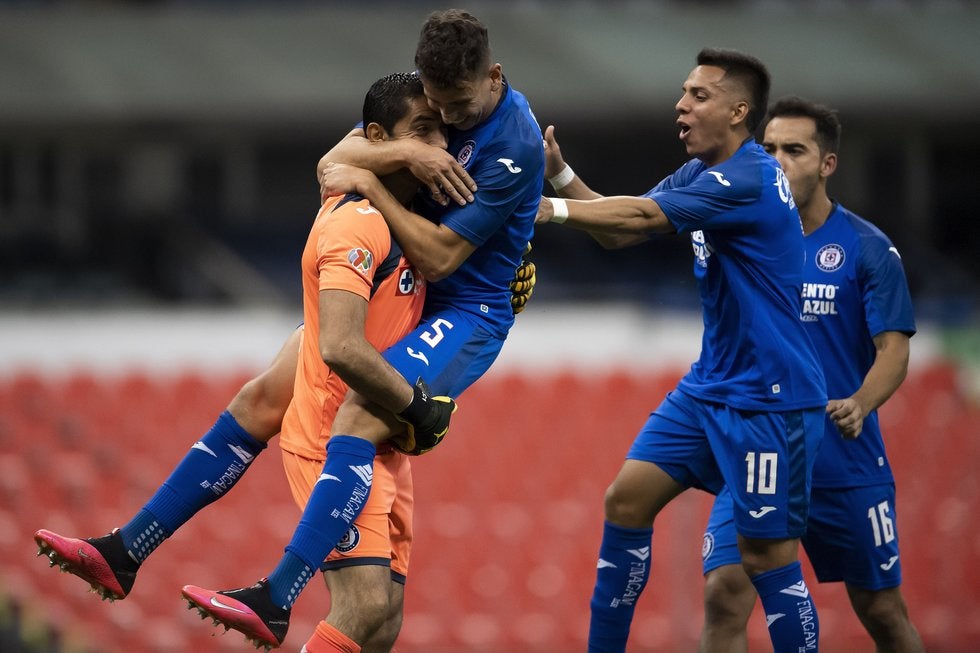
426 421
522 286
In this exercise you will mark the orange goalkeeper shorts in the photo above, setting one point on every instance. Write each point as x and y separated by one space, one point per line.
383 530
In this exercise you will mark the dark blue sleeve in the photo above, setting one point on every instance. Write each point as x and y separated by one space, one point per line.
884 288
708 201
505 177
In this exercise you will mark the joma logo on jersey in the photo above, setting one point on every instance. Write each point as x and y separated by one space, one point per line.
510 165
720 178
361 259
702 249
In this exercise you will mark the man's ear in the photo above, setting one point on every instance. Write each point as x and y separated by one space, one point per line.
740 112
375 132
496 77
829 164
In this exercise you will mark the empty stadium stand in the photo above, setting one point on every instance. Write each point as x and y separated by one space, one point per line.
507 520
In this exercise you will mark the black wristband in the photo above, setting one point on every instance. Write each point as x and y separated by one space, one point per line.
418 409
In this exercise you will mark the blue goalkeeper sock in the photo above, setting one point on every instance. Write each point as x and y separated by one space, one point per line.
212 466
337 499
622 573
790 612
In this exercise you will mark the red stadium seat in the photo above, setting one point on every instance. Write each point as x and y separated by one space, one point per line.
508 513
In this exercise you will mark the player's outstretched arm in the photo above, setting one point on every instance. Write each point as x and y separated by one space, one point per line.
615 222
433 166
568 185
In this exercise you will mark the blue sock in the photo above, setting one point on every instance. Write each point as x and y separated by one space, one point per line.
337 499
212 466
622 573
790 612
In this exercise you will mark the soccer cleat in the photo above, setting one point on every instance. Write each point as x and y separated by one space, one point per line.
101 561
249 610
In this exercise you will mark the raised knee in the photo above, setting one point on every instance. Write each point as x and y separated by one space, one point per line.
624 510
728 597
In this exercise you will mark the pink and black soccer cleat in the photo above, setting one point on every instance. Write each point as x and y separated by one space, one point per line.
249 610
101 561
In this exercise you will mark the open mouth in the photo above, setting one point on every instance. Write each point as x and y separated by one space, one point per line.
685 129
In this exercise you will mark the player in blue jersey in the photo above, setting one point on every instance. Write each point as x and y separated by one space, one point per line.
468 250
749 412
857 310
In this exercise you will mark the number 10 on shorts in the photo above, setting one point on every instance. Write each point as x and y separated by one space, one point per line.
765 478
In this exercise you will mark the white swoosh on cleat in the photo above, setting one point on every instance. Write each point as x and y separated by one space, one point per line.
218 604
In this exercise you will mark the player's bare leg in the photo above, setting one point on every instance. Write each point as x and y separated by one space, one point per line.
261 403
366 607
728 602
364 419
886 618
383 640
262 611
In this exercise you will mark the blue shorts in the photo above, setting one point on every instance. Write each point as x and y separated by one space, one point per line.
851 536
449 349
765 457
720 544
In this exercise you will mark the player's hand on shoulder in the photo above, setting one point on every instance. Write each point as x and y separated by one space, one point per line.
444 176
426 421
341 178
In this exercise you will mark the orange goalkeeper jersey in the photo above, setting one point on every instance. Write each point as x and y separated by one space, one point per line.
349 248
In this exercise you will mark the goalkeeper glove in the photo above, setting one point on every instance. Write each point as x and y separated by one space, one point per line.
522 286
426 421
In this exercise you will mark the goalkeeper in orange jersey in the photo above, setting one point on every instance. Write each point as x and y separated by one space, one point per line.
378 294
468 252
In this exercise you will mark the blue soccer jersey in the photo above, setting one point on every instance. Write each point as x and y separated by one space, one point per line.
748 262
854 288
505 157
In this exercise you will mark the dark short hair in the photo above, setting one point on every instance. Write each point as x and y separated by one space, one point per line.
453 47
825 119
747 71
386 101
